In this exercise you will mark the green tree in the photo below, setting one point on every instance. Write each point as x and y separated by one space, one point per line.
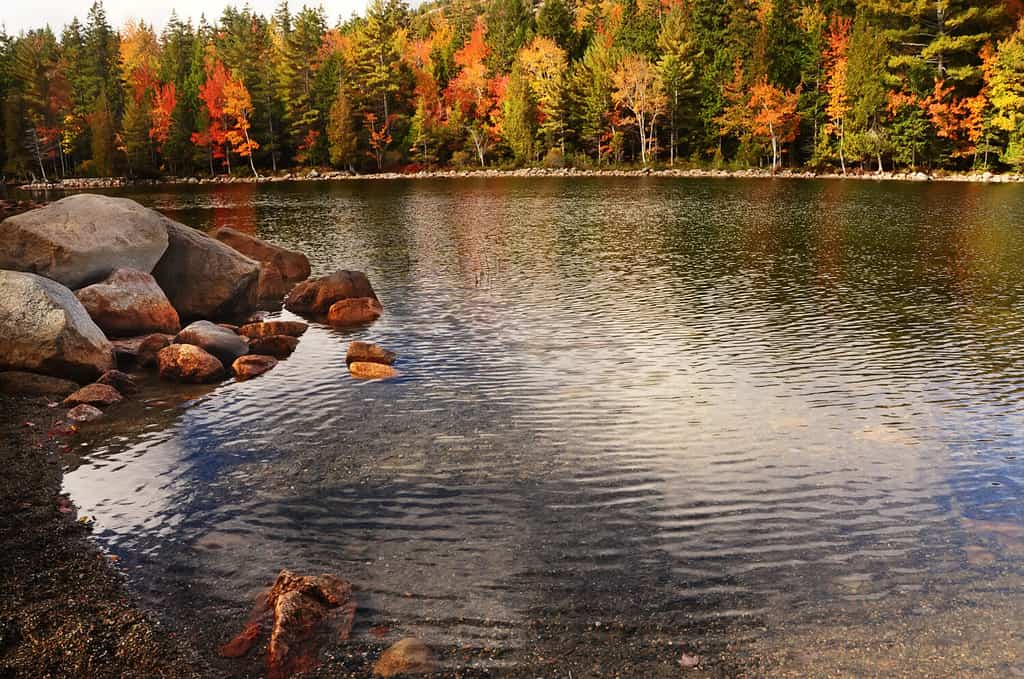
519 116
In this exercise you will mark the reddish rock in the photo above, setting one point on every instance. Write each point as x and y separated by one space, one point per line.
301 613
128 303
316 296
94 395
150 347
280 268
84 413
247 367
408 656
229 327
365 352
354 311
188 363
31 384
279 346
371 371
292 328
123 382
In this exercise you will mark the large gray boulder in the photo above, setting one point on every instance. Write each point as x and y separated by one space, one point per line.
45 329
205 278
82 238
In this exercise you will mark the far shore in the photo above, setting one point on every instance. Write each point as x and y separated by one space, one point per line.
74 184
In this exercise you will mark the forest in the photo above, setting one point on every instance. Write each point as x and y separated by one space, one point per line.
856 85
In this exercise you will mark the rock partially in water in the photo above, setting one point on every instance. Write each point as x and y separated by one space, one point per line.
263 329
247 367
371 371
408 656
45 329
316 296
33 384
123 382
219 341
94 395
188 363
365 352
302 612
204 278
83 238
84 413
150 347
354 311
280 268
129 303
279 346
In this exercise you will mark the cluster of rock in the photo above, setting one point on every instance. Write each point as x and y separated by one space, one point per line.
299 614
91 282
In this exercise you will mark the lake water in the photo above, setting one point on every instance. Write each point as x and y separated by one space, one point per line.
774 423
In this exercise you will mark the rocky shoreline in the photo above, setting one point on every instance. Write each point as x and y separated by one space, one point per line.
78 184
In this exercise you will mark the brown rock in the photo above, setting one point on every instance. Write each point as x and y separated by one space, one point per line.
123 382
365 352
247 367
408 656
371 371
150 347
128 303
94 395
292 328
280 268
31 384
84 413
317 295
204 278
229 327
301 612
222 343
188 363
280 346
354 311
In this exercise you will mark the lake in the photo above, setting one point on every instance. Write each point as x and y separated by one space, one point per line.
775 423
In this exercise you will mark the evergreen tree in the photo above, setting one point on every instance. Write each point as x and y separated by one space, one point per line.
519 116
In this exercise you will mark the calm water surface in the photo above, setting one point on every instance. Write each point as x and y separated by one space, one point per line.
697 413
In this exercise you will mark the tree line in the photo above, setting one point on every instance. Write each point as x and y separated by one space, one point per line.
869 84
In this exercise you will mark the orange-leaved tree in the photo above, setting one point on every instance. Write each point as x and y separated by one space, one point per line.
238 110
775 117
836 63
472 94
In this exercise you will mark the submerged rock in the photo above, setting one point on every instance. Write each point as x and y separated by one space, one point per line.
247 367
84 413
221 342
301 614
45 329
408 656
280 268
354 311
94 395
265 328
280 346
316 296
83 238
188 363
371 371
365 352
123 382
32 384
204 278
128 303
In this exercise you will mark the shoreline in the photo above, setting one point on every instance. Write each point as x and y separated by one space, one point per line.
312 175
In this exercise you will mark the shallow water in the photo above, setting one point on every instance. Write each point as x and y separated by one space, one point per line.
702 410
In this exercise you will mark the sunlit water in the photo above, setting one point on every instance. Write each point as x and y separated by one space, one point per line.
697 409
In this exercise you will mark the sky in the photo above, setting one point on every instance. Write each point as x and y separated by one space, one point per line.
21 15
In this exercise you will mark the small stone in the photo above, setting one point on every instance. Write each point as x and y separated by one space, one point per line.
84 413
188 363
94 395
371 371
150 347
123 382
279 346
365 352
290 328
225 344
354 311
247 367
408 656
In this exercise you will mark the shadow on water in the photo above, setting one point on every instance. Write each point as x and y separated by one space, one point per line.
634 416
